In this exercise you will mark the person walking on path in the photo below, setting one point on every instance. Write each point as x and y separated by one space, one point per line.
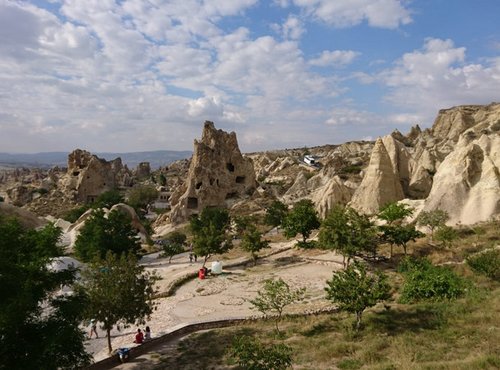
93 329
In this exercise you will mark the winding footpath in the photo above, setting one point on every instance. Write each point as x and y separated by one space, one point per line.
223 298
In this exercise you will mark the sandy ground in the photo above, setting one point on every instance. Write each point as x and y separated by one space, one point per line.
226 295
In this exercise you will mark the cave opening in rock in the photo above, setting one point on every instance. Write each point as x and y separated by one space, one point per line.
192 203
240 179
230 167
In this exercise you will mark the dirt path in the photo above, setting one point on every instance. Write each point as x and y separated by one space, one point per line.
227 295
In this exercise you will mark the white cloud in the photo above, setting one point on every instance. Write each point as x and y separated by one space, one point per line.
348 13
349 116
438 76
335 58
293 28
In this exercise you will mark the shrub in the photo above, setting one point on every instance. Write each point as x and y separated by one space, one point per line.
424 281
251 354
486 263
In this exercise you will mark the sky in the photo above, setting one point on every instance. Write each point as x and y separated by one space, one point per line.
135 75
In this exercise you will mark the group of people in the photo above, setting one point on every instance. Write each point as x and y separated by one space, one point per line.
141 337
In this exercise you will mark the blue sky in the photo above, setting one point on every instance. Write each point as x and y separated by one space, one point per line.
135 75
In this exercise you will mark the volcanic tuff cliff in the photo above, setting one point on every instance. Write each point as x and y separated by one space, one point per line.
452 166
218 175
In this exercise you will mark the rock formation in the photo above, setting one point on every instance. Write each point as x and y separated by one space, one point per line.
467 183
89 176
218 173
381 183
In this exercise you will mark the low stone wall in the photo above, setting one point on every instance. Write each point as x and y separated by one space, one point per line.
113 361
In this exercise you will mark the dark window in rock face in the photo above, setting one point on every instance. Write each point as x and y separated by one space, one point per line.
198 185
217 182
212 182
230 167
240 179
91 198
231 195
192 203
76 173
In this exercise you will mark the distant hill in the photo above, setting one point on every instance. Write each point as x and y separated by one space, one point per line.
156 158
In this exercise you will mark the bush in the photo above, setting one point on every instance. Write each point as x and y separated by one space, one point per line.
250 353
424 281
486 263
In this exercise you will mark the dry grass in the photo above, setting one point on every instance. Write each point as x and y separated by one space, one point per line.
462 334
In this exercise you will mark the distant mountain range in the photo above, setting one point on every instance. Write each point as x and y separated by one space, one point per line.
156 158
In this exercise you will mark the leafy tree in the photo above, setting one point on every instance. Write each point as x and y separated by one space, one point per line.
38 327
354 290
242 223
211 232
108 199
275 213
432 219
162 179
395 212
174 244
74 214
424 281
347 232
446 234
101 234
119 292
275 296
400 235
140 197
252 242
302 219
251 354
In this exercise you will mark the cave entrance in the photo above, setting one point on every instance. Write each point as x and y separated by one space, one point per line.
192 203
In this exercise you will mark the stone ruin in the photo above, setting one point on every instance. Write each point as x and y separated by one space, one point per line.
218 174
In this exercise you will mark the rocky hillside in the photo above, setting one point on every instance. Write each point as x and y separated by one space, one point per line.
452 166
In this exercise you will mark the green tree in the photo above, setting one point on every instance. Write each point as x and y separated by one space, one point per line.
242 223
119 292
38 327
432 219
251 354
162 179
425 282
108 199
400 235
275 213
174 244
252 242
74 214
347 232
141 196
302 219
101 234
274 297
446 234
394 214
354 290
211 232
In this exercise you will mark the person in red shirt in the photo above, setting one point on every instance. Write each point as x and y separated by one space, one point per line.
139 337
